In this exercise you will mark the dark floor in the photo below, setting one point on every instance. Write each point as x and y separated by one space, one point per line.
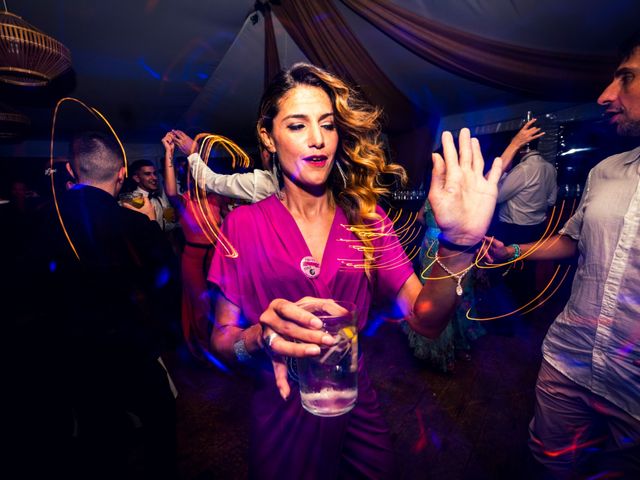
470 424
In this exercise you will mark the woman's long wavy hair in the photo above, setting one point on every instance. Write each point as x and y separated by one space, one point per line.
360 151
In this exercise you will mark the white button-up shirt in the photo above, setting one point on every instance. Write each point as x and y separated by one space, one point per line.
595 341
527 191
252 186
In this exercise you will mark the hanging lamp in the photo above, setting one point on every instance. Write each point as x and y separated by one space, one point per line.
29 57
13 124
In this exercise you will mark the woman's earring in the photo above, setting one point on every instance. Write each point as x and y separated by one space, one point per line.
277 175
342 174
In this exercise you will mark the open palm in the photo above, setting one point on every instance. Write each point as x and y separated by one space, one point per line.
462 198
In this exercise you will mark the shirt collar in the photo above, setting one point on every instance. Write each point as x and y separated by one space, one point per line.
529 154
632 156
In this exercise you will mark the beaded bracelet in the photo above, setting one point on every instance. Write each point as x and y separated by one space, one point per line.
516 251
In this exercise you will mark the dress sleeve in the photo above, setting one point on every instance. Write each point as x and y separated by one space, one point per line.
392 267
251 187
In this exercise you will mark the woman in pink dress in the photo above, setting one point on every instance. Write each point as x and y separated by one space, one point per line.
328 156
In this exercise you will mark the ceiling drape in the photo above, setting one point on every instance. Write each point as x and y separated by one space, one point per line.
271 57
545 75
325 38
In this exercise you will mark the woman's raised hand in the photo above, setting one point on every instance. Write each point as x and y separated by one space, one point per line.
527 133
462 198
184 142
168 144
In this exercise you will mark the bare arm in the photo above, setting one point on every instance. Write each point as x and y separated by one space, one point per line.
428 309
227 331
170 184
525 135
251 187
557 247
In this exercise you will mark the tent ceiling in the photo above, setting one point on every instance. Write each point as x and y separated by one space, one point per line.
157 64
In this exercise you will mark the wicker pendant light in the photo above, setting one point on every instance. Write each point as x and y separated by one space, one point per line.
13 124
29 57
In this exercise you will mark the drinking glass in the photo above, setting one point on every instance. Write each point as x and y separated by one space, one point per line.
134 198
329 381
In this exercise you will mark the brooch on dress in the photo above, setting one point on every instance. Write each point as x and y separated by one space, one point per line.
310 267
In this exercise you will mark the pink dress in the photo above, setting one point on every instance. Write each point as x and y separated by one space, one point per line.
287 441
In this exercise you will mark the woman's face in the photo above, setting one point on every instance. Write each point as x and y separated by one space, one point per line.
304 136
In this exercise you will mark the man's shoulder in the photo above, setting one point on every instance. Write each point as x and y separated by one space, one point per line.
618 159
534 159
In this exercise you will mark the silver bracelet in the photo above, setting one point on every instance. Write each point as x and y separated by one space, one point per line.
457 276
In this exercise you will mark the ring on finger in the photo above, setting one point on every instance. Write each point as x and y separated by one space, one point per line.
268 340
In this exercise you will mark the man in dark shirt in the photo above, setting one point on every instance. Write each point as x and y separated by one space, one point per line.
109 281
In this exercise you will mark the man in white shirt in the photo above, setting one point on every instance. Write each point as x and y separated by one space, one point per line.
524 196
587 411
525 193
145 175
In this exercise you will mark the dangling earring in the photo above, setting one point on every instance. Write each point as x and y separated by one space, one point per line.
341 171
277 175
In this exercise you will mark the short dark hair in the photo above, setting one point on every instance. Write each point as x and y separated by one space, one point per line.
95 156
138 164
628 46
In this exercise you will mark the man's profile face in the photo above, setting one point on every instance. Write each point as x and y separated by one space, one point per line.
622 96
147 179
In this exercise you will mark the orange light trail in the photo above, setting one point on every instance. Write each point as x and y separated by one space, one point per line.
483 248
481 253
206 220
97 114
555 274
542 241
516 263
574 447
405 233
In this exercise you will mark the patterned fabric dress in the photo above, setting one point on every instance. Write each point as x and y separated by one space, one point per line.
460 332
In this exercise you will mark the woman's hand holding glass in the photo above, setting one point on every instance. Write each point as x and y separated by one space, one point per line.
289 330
